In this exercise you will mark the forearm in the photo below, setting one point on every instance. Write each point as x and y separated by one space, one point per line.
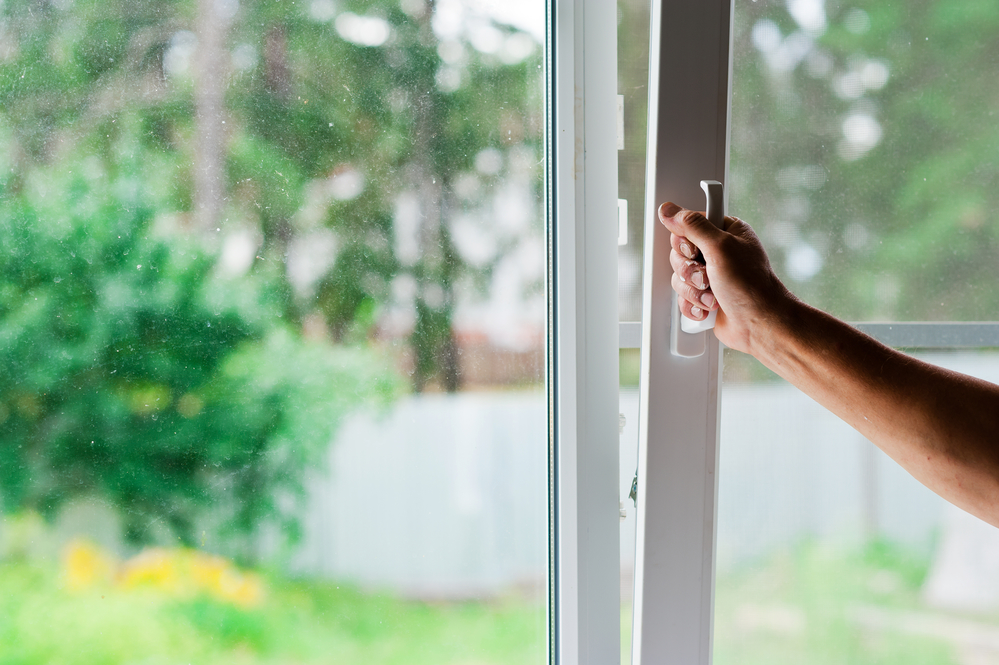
943 427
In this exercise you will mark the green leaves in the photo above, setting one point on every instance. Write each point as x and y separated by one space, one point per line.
126 375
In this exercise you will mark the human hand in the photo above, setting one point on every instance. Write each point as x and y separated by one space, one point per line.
725 269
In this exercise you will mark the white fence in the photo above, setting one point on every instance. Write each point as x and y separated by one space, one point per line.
446 495
443 496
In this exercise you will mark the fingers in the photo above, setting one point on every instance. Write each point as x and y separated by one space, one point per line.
694 303
690 225
694 273
683 246
690 279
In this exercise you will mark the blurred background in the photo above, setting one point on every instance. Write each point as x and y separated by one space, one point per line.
272 302
864 151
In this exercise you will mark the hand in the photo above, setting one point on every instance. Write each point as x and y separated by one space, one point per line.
725 269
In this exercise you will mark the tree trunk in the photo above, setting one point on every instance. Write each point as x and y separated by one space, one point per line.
434 345
210 69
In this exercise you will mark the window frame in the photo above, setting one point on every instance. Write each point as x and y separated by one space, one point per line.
680 398
679 411
581 189
691 144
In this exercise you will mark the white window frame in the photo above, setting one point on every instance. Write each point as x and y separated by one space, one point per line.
678 424
581 147
688 141
689 99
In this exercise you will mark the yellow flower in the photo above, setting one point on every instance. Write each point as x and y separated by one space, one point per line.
187 573
153 567
176 572
242 589
85 564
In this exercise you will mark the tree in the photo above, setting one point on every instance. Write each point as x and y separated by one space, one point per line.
405 116
313 99
154 201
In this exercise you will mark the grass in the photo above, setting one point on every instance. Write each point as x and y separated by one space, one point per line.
806 606
803 607
43 621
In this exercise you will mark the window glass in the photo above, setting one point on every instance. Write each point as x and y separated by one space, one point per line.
272 303
863 152
633 75
634 17
828 551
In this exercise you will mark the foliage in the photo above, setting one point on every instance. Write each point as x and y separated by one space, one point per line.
800 606
141 362
135 370
321 133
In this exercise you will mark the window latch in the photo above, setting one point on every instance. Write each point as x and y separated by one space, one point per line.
687 337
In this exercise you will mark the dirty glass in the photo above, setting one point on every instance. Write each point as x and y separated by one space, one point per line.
272 312
863 151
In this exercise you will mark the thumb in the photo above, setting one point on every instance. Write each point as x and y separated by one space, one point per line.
689 224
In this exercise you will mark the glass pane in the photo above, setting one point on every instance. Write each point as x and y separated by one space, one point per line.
863 150
633 75
272 298
829 552
628 466
633 79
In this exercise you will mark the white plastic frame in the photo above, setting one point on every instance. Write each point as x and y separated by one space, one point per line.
689 100
688 140
689 94
583 360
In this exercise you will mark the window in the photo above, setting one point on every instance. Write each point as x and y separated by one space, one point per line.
273 313
862 150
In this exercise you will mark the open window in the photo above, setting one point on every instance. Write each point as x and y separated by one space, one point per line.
862 151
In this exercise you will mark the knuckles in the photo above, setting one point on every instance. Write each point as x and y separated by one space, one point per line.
691 296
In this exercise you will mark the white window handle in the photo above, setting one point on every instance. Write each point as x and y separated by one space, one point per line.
687 339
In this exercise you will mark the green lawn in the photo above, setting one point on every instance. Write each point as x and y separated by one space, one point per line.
44 622
813 606
809 606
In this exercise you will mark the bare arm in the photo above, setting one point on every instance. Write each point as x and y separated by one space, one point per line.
941 426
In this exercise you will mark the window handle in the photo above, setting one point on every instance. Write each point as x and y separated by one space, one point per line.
687 338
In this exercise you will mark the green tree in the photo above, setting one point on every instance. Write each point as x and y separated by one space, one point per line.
138 139
260 106
407 116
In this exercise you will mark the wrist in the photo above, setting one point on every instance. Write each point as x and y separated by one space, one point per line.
777 328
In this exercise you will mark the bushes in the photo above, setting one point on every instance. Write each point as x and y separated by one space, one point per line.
135 370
